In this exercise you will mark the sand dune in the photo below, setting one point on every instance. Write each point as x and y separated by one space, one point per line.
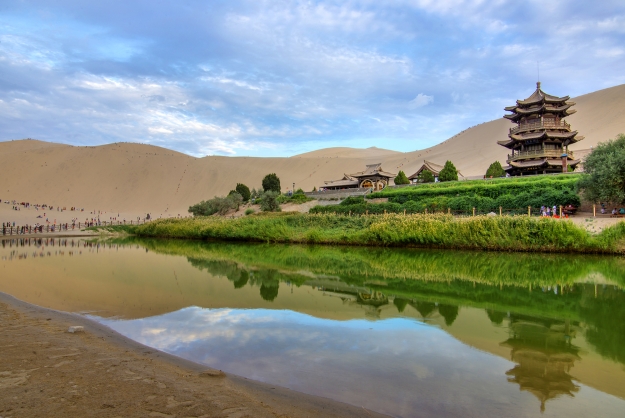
136 178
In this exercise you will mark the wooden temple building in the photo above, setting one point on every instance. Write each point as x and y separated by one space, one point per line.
373 177
435 169
539 142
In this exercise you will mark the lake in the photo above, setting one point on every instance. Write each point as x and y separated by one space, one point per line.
404 332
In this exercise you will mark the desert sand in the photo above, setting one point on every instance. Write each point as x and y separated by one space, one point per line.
132 179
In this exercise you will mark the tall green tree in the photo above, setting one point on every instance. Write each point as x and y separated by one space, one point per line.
448 173
604 172
271 182
401 178
426 176
244 191
495 170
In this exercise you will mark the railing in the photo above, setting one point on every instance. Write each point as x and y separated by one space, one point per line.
538 153
543 124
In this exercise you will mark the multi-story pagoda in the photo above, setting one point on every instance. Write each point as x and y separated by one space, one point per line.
540 141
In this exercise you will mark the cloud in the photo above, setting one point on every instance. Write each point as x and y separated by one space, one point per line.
421 100
284 77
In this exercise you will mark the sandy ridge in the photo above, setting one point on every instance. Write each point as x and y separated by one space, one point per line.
136 179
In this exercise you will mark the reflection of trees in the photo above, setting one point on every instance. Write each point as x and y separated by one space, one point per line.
496 317
241 281
269 291
603 308
544 355
449 312
269 283
424 308
521 283
400 303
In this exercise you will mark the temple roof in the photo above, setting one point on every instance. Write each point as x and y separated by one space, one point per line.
431 167
345 181
373 170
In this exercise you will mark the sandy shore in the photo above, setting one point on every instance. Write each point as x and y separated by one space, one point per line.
46 371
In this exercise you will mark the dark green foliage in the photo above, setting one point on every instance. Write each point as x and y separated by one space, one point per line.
249 211
353 200
298 191
449 312
495 170
426 176
269 201
401 178
271 182
448 173
244 191
269 291
604 178
510 194
220 205
496 317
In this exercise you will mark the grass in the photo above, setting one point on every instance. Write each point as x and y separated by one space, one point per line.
509 233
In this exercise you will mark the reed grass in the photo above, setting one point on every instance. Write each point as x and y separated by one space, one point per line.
509 233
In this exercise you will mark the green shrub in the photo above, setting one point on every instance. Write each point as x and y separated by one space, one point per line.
353 200
269 201
271 182
495 170
426 176
448 173
244 191
249 211
220 205
401 178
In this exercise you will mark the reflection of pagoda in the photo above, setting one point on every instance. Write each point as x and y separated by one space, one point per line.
373 298
544 356
540 141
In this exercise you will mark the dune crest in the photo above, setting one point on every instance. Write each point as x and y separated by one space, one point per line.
147 178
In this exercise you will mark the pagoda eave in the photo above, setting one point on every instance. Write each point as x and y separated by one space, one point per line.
546 134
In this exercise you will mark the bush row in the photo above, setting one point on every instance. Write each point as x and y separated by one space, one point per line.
493 189
463 203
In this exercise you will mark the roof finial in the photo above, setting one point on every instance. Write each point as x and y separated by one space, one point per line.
538 85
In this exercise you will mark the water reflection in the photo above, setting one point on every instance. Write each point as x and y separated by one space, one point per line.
544 355
315 319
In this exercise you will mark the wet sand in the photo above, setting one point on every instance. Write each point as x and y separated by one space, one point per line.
47 371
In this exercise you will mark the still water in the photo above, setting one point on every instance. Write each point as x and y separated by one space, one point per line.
402 332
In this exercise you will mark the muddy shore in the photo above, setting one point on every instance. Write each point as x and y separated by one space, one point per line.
47 371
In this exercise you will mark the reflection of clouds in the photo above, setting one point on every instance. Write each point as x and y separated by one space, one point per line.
395 366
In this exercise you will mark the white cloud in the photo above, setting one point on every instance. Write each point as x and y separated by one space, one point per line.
421 100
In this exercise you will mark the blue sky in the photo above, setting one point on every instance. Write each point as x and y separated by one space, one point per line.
277 78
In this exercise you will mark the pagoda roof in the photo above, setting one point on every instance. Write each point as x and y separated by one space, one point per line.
541 162
540 102
545 134
540 96
373 170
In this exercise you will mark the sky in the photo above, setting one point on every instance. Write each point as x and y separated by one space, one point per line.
279 78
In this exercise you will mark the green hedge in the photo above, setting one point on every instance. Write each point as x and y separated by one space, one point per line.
486 196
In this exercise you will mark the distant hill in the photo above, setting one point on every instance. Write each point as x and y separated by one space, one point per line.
136 177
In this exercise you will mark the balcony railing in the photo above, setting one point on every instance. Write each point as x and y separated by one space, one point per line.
543 124
540 153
